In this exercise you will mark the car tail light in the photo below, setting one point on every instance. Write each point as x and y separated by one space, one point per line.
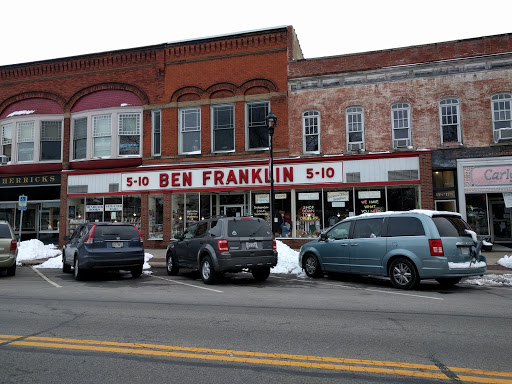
274 244
436 247
90 238
14 245
140 236
222 245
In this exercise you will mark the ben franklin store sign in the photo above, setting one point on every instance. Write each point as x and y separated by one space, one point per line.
215 178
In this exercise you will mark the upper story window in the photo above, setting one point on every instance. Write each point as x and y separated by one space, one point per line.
311 129
31 131
223 128
102 133
129 134
156 133
449 119
257 131
354 118
190 130
79 138
502 116
401 124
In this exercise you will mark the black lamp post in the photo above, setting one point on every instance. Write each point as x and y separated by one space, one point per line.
271 121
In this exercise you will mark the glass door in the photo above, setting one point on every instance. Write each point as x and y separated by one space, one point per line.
233 210
501 223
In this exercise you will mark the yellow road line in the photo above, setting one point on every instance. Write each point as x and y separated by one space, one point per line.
317 362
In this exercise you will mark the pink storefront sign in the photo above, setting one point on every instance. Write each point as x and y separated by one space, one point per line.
488 175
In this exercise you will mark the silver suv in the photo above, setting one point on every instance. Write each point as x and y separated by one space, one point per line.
8 249
224 244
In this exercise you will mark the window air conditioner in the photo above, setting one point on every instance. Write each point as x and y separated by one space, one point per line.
502 134
355 146
400 143
4 159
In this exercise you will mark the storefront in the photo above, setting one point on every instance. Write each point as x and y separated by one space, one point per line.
41 218
310 195
485 190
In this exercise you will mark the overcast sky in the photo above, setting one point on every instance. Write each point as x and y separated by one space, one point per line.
32 30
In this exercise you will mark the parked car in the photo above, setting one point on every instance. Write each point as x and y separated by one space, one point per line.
102 247
8 249
406 246
224 244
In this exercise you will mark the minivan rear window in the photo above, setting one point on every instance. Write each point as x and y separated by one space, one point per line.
405 226
116 232
248 228
5 233
450 226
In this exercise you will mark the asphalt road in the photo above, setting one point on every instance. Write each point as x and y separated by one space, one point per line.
112 329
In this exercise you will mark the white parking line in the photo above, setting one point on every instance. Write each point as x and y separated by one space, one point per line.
45 278
189 285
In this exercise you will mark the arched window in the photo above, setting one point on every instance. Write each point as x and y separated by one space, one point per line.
401 124
311 129
502 116
354 120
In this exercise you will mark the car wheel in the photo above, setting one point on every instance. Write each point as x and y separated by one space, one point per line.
448 281
79 274
261 274
312 266
66 268
172 265
208 274
136 272
11 271
403 274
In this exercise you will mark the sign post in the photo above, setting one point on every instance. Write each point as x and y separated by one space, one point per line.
22 206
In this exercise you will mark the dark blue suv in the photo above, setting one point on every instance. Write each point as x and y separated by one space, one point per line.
103 246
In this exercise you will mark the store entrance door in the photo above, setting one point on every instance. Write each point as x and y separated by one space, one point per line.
501 223
233 210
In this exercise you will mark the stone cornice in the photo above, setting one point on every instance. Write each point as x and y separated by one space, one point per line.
427 70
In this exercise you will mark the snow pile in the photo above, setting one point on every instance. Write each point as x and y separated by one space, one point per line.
492 280
35 249
287 260
506 261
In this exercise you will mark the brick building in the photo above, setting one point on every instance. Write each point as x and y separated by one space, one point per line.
158 136
424 126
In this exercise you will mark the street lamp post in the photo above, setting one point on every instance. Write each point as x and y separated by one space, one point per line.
271 121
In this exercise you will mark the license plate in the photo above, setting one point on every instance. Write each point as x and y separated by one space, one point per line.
117 244
251 245
464 251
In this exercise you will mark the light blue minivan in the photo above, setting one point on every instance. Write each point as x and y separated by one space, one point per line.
406 246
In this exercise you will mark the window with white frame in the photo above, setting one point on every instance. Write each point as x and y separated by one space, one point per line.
6 144
311 129
449 115
156 133
50 140
190 130
401 124
102 135
223 128
129 134
502 116
79 138
257 131
25 141
354 119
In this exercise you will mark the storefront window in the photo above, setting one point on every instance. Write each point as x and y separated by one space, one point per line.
113 209
75 213
156 217
370 201
283 212
402 199
476 213
206 206
338 205
8 213
178 221
94 209
309 214
192 208
131 210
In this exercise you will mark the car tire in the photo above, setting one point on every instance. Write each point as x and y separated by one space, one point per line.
449 281
261 274
66 268
136 272
403 274
172 265
11 271
312 266
207 271
79 274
